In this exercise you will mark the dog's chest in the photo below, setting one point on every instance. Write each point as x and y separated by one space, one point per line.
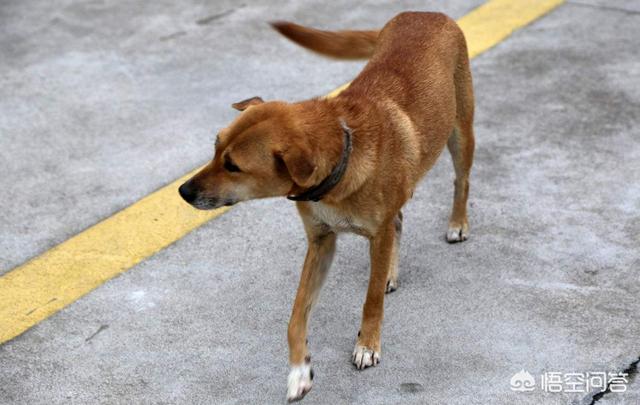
339 221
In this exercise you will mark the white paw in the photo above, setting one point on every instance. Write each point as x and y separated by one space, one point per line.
364 357
299 382
457 234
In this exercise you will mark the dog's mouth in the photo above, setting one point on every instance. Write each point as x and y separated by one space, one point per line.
207 203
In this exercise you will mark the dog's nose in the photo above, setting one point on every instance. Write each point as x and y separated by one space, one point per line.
188 192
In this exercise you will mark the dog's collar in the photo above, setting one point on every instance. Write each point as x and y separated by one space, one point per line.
316 193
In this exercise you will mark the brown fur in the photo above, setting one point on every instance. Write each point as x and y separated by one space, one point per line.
412 98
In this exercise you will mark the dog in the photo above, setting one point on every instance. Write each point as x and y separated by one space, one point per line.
352 161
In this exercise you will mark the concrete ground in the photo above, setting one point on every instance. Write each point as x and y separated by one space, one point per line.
103 102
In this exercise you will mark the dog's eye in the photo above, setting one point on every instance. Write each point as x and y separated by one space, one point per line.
230 166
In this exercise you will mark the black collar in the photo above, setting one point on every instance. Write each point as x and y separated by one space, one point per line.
316 193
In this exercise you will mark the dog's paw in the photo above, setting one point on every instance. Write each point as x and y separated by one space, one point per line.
364 357
392 285
457 233
299 382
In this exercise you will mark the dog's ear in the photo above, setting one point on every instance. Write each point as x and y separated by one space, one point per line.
300 165
244 104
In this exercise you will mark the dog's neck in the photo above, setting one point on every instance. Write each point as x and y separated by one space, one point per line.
316 193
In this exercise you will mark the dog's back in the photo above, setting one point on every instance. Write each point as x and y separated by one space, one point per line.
406 60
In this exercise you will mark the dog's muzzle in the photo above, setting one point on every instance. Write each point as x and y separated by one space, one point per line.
195 197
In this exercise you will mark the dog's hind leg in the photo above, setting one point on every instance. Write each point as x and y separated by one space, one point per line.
316 265
461 148
392 278
461 144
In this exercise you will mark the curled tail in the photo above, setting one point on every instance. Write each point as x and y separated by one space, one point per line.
338 44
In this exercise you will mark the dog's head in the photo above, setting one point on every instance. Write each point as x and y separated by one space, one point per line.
269 150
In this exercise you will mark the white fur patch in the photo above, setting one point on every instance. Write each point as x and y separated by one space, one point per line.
457 234
364 357
339 221
299 382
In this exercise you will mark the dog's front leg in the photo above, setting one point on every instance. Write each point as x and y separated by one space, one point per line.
316 266
367 350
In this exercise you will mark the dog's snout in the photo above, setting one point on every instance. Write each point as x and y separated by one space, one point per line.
188 192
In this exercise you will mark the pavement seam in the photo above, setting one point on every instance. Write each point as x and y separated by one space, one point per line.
600 6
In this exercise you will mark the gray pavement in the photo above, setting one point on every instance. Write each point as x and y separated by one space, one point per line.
101 104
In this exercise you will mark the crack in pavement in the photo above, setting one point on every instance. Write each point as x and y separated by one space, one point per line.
203 21
173 36
211 18
100 329
631 371
41 306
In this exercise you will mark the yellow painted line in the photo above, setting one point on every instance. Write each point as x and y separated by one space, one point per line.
337 91
495 20
46 284
50 282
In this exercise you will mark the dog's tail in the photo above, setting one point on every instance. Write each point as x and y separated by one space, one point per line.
335 44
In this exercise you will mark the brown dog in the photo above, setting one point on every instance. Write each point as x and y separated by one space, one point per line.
352 161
